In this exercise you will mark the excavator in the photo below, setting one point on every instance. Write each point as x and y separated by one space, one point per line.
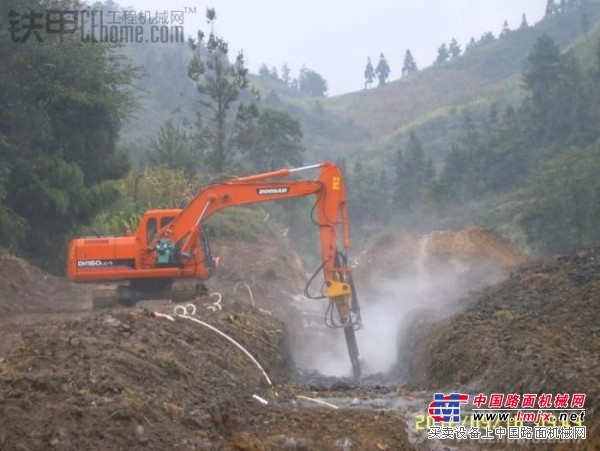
171 245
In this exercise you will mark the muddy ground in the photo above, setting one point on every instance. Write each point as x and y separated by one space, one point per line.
73 379
127 380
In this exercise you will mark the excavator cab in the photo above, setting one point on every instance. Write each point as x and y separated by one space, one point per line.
152 222
164 252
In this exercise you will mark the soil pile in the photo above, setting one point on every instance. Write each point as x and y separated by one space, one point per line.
265 271
27 289
536 332
480 256
404 276
127 380
539 327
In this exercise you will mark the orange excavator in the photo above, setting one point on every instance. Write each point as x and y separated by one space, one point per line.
170 245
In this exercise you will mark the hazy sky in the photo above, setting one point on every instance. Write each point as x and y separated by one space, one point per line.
335 37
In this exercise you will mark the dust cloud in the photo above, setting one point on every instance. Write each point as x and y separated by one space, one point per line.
400 305
426 287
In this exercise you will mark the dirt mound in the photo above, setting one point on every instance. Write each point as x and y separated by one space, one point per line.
481 255
536 332
27 289
539 327
127 380
266 271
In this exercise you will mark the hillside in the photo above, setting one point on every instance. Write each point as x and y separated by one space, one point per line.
433 101
478 74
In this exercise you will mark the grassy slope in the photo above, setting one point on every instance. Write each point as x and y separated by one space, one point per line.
478 74
373 123
370 124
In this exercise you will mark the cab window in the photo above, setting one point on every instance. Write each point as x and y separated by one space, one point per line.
151 229
165 221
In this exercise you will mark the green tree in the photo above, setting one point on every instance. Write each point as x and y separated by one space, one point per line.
442 55
464 174
220 85
555 99
454 49
506 162
563 6
505 28
54 200
414 175
273 74
63 104
285 74
401 183
409 66
368 195
312 83
382 70
276 141
486 38
369 74
559 208
471 44
524 23
542 69
263 71
173 148
551 8
451 182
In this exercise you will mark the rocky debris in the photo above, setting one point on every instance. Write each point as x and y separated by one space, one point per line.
124 379
536 332
539 327
27 289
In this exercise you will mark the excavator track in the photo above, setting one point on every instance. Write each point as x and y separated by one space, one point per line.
178 292
103 298
185 291
113 297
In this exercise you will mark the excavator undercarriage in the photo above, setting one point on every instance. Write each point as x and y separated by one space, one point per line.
127 295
